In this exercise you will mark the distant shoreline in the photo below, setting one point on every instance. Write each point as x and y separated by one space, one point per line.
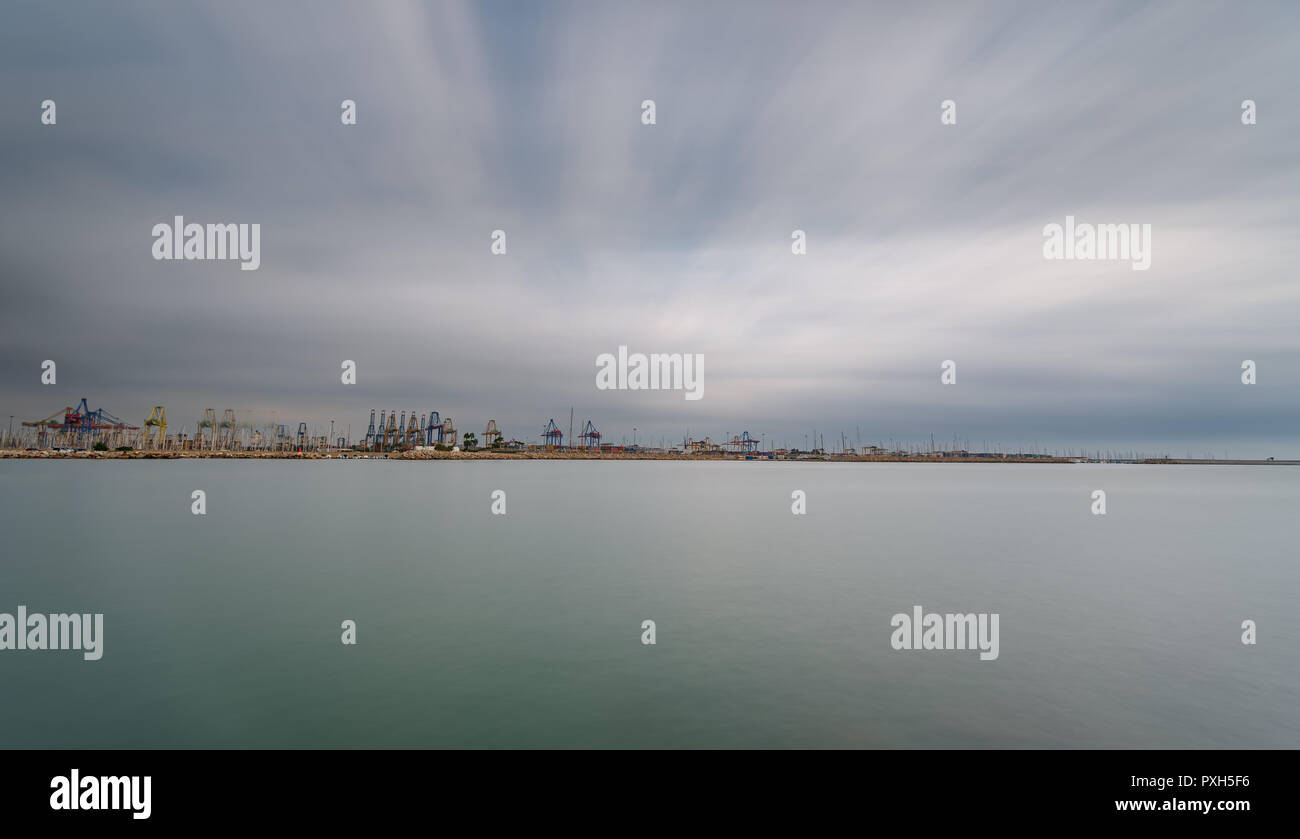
47 454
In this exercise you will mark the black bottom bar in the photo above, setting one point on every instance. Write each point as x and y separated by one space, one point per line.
336 789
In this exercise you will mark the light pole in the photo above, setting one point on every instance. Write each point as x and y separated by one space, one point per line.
329 444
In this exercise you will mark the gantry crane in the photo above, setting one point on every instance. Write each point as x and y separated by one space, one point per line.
590 437
155 429
552 436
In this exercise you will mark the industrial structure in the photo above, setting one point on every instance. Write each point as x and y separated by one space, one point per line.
705 446
743 444
398 432
590 437
81 428
155 430
492 435
235 430
552 436
226 430
412 433
208 424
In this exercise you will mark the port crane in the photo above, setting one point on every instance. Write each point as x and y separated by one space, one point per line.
552 436
491 434
590 437
81 426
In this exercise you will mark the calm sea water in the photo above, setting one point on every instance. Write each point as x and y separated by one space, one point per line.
524 630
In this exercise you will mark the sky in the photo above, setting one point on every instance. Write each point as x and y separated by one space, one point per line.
924 240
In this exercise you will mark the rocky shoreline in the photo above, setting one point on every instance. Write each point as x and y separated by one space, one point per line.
428 454
48 454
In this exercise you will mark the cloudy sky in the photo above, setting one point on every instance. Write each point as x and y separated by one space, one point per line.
924 240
